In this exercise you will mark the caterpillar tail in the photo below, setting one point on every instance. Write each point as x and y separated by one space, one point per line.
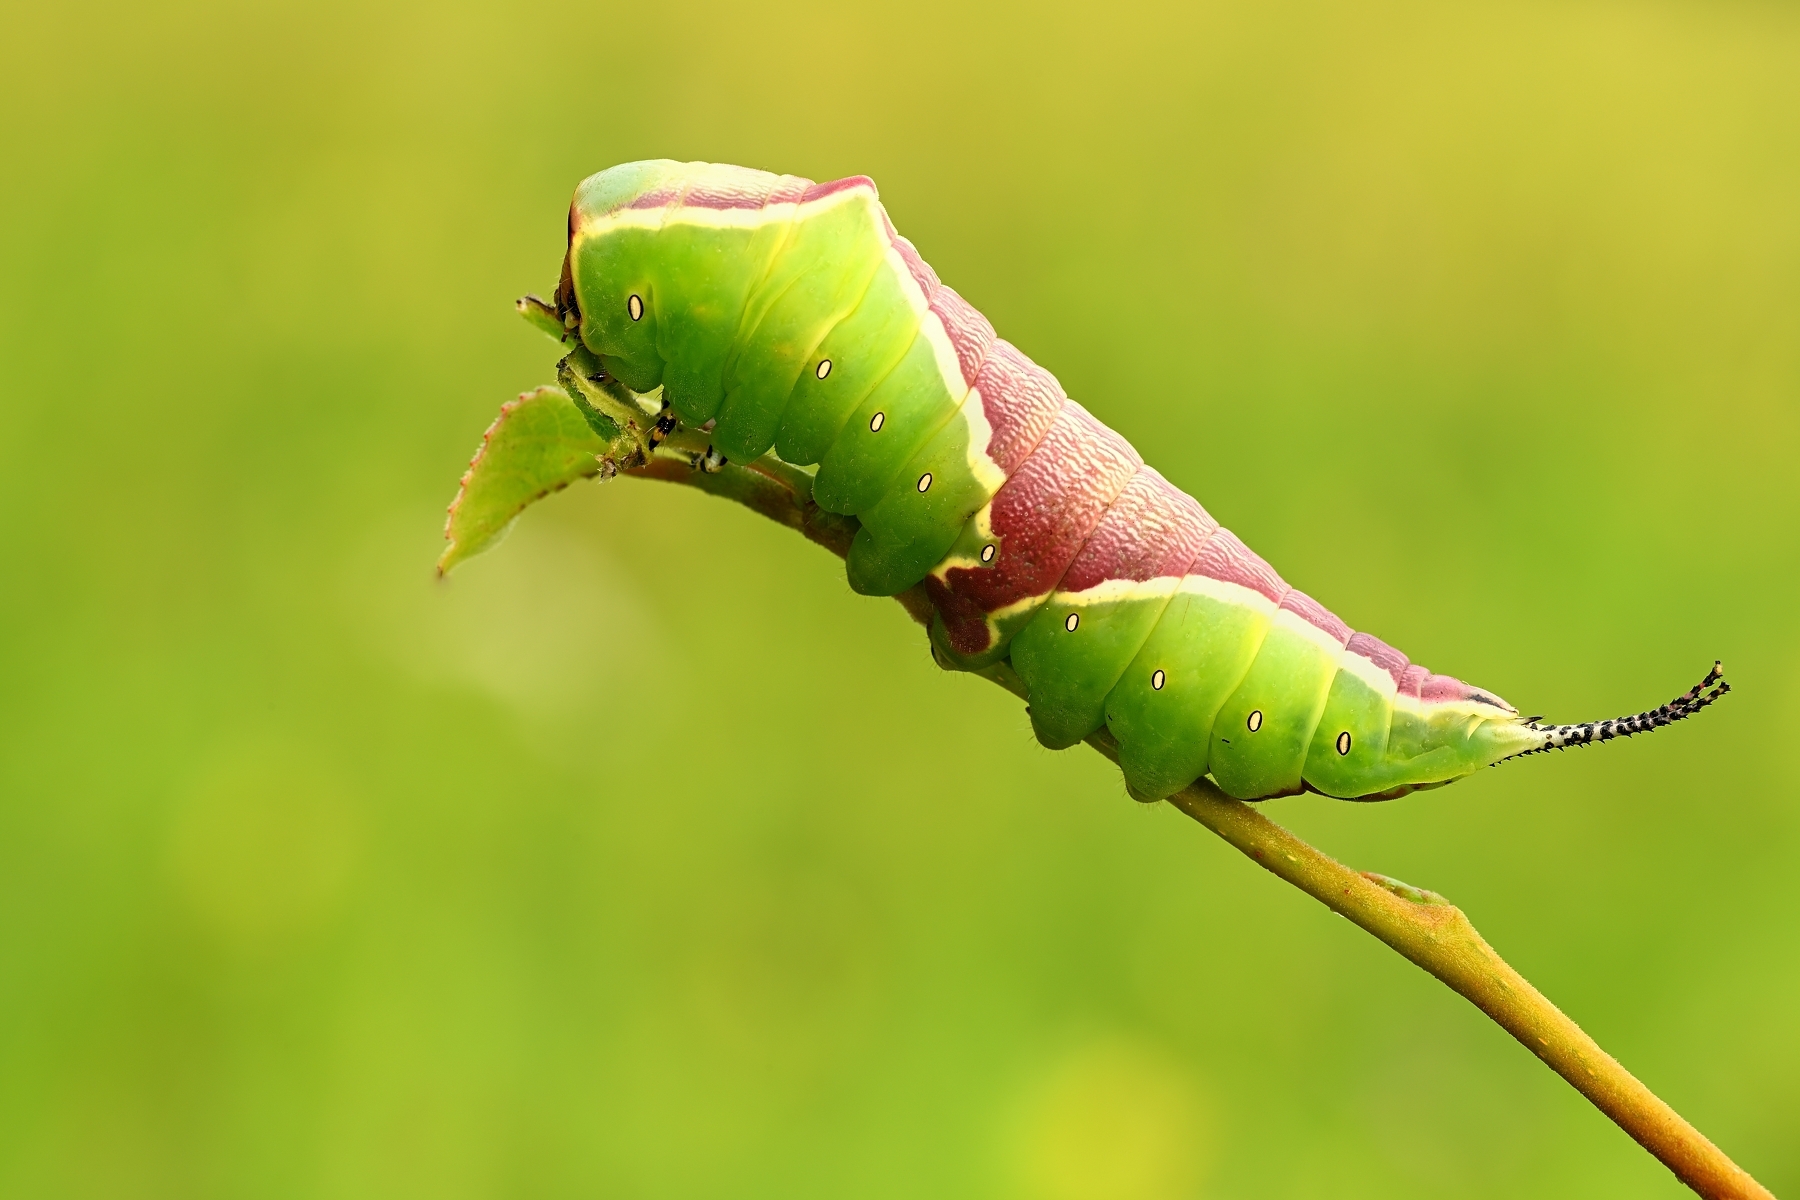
1561 737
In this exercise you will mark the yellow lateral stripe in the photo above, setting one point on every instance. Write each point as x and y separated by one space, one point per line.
1376 677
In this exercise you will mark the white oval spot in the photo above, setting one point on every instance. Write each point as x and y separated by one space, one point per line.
987 552
876 422
635 307
1072 622
1158 679
824 368
1344 742
925 481
1255 721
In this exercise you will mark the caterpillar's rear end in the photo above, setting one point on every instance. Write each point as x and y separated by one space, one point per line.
790 316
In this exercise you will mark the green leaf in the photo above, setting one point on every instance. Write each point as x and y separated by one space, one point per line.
540 443
542 314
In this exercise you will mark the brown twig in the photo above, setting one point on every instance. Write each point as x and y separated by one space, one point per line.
1423 926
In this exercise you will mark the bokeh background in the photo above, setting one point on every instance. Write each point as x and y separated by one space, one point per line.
642 859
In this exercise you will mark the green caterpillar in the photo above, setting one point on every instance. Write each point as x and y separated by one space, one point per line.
767 313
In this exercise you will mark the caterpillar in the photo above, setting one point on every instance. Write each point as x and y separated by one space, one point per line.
770 314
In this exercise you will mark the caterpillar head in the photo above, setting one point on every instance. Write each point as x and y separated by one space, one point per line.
607 288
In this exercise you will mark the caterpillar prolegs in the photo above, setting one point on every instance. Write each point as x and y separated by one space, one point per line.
776 314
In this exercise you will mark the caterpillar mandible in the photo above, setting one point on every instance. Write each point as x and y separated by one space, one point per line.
767 313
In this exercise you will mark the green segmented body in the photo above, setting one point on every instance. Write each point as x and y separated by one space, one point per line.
791 316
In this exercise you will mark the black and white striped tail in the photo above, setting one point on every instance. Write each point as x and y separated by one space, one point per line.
1561 737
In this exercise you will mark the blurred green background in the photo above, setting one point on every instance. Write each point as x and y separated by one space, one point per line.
642 859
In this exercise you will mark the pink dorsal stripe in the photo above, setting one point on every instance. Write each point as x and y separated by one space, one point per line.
1041 517
819 191
789 189
723 187
1443 688
917 267
1416 681
1020 400
1112 549
1199 525
1379 653
657 197
1048 508
1316 615
1148 533
1226 558
968 330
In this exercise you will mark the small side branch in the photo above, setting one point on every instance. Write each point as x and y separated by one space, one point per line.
1423 926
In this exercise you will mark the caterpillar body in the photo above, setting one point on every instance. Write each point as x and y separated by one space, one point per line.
785 315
